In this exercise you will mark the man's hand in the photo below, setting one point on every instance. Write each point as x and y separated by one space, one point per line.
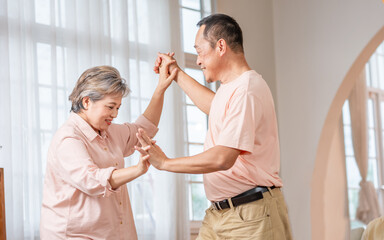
156 156
162 57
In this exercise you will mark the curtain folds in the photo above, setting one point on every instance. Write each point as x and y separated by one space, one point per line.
368 207
45 45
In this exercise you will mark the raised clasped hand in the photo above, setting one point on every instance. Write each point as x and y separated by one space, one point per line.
164 58
166 78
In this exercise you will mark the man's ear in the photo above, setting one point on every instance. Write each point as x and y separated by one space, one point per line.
221 46
85 102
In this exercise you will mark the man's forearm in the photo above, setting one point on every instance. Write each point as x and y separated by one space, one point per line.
218 158
200 95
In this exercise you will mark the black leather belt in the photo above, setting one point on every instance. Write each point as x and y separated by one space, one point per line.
245 197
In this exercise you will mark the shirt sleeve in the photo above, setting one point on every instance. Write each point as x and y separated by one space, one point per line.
242 116
127 132
77 168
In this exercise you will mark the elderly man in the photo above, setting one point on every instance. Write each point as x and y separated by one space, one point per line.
241 159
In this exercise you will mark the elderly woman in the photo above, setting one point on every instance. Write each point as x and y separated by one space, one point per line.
85 196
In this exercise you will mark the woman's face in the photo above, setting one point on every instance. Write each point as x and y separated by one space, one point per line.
100 114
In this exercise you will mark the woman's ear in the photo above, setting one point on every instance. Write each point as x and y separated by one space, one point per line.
85 102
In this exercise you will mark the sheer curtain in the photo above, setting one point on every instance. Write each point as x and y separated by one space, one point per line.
45 45
368 207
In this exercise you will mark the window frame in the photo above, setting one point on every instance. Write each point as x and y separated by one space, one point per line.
377 96
190 63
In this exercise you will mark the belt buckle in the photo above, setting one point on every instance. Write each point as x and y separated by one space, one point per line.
216 206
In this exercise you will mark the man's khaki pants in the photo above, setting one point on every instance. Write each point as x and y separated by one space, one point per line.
264 219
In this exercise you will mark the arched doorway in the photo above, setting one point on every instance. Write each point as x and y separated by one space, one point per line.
319 187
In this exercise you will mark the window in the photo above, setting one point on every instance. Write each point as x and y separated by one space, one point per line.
46 45
191 12
374 70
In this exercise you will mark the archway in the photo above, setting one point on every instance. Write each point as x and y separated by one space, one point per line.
329 128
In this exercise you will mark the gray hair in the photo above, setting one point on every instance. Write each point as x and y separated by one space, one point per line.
96 83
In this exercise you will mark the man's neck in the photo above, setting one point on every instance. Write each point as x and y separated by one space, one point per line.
233 68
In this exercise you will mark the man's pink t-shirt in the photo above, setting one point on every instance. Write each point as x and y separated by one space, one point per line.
242 116
78 201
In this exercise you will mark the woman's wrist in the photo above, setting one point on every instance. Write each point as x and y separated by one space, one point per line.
159 91
139 171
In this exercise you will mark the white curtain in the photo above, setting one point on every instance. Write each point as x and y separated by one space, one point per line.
368 208
44 46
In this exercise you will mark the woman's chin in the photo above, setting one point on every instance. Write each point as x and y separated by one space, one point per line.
104 128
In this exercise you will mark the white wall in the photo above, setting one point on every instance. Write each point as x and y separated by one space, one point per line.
315 44
255 20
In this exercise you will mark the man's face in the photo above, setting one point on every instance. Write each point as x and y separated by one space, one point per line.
101 113
207 57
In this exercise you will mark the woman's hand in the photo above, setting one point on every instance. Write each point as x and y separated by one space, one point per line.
124 175
143 164
159 59
166 78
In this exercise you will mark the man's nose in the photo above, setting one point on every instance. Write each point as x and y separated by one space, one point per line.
198 62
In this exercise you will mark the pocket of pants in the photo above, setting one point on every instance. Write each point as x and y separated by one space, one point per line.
247 221
253 211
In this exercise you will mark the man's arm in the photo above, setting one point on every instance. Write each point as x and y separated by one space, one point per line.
200 95
214 159
218 158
